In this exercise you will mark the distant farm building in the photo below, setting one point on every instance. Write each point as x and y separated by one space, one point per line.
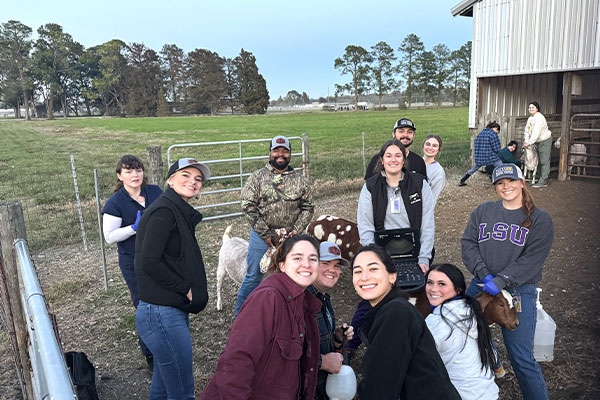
538 50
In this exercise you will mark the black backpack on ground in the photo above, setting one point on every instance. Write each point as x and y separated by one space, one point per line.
83 375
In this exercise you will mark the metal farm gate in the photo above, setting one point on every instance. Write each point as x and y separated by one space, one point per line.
241 172
584 146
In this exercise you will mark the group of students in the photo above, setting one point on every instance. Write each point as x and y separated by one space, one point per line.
276 345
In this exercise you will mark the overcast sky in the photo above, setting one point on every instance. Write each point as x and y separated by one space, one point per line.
295 43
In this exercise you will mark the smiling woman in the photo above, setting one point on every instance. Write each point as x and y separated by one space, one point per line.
273 345
401 353
171 279
522 237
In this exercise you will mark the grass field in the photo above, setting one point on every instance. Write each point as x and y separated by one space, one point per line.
35 166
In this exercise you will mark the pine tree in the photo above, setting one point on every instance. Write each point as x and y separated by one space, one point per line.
162 106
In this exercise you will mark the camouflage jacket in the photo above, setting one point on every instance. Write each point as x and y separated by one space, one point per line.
272 200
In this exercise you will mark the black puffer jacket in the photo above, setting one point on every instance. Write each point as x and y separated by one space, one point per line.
168 262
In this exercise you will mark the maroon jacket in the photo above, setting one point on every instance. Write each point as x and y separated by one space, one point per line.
273 346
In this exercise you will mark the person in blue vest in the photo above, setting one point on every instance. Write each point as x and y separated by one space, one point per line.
121 214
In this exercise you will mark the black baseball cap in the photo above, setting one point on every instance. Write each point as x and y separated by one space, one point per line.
404 123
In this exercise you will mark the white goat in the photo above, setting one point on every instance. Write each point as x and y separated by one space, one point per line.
577 153
530 158
232 259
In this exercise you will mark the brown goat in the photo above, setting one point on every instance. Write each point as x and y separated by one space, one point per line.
499 309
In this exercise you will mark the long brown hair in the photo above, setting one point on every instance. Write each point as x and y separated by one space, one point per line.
128 162
528 206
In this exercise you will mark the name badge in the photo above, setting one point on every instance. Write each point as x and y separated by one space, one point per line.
395 206
517 303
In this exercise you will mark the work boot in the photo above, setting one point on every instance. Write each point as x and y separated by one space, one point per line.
463 180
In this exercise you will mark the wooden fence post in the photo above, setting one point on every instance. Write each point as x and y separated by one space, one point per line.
12 227
305 158
155 166
565 137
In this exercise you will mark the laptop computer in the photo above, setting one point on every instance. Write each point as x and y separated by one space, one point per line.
404 246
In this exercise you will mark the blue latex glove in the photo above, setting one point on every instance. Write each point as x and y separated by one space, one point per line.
137 221
487 279
490 287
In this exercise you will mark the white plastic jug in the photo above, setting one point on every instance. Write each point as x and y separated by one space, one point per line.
545 328
341 386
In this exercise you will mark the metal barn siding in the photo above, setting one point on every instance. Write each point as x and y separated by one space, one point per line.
510 95
518 37
533 36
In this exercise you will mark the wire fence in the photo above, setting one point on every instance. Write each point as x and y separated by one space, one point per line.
61 209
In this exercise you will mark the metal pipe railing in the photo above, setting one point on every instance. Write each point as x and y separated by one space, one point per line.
51 379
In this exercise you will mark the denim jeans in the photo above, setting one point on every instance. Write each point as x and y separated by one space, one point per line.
257 248
519 343
129 276
166 332
496 163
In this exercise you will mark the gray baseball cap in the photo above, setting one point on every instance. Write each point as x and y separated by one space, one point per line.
189 162
330 251
280 141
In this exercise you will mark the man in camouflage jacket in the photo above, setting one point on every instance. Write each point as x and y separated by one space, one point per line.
274 197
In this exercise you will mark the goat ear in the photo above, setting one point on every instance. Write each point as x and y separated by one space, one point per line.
484 299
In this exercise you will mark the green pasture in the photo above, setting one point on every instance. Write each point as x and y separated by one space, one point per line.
35 166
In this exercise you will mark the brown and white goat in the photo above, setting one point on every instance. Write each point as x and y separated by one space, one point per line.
340 231
499 309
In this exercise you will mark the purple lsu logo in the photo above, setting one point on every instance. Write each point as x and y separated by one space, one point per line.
501 231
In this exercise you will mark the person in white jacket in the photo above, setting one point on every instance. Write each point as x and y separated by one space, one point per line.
461 334
537 132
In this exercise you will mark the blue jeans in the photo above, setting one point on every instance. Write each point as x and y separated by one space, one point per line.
257 248
496 163
166 332
519 343
129 276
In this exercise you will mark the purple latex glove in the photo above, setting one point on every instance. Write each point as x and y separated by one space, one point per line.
490 287
137 221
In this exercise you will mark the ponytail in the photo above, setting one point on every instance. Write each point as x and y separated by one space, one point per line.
484 336
528 207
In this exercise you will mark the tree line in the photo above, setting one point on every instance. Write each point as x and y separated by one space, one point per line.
431 76
56 73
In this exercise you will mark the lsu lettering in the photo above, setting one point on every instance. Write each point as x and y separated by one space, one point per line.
501 231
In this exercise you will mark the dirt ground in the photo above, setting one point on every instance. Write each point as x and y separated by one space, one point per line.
101 323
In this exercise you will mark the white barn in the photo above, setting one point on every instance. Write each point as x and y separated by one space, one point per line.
538 50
